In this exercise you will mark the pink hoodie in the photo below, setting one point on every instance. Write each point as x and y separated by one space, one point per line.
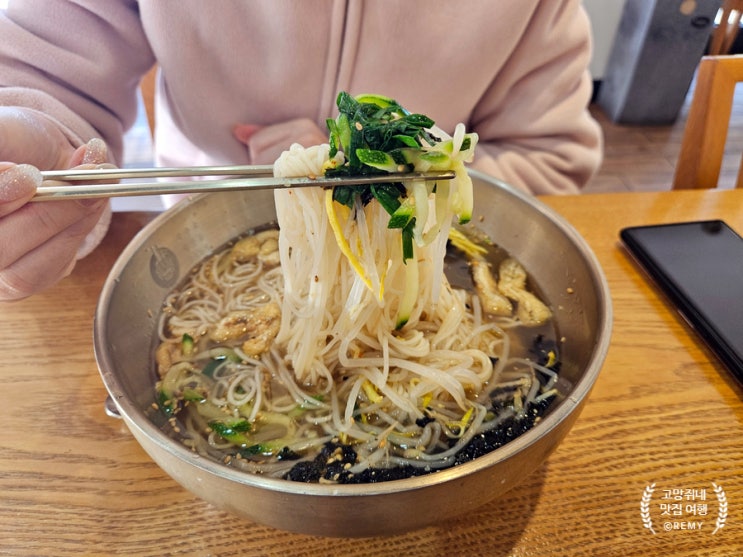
514 71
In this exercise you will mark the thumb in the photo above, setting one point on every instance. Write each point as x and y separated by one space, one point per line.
266 143
243 132
18 183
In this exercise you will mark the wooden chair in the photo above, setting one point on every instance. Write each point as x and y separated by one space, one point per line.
147 88
725 33
706 129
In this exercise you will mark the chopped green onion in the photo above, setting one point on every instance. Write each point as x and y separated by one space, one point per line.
377 159
187 344
388 196
408 252
403 214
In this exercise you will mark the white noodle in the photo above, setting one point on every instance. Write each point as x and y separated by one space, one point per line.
339 365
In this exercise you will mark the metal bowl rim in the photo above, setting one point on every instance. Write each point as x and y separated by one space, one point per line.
135 417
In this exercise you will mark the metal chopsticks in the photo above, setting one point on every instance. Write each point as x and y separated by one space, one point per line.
165 172
246 178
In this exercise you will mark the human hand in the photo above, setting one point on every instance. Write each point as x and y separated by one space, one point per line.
266 143
39 241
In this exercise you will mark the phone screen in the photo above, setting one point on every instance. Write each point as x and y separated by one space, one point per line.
699 266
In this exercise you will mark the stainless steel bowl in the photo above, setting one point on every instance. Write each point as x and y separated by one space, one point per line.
159 256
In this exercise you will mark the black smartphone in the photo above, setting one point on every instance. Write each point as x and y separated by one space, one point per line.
699 266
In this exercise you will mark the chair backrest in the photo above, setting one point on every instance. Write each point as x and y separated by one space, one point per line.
706 129
726 31
147 87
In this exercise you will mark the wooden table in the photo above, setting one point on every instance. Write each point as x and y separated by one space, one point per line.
664 418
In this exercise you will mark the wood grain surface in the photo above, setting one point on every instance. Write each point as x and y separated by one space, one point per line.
664 418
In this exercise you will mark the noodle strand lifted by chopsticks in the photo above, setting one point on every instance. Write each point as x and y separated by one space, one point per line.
374 349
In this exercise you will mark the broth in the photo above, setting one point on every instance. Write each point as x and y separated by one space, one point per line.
248 411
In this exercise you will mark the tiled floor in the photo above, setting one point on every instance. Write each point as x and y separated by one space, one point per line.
643 158
636 157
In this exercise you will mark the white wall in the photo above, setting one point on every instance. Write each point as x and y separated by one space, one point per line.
605 16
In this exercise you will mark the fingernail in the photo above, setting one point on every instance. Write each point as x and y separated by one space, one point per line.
92 166
18 180
70 267
243 132
92 202
95 152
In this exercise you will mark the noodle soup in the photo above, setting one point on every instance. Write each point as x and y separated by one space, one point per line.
453 384
559 261
334 348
